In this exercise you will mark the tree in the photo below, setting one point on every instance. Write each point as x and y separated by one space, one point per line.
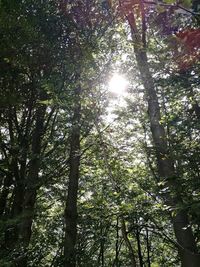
82 188
166 171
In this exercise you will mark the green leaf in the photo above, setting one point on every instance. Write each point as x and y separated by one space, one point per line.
186 3
46 102
169 1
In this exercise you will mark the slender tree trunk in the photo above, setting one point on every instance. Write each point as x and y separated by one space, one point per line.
139 247
71 203
117 243
12 230
4 194
182 229
148 248
128 243
16 176
195 105
11 233
102 243
32 185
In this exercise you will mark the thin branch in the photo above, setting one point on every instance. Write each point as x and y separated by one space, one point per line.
172 5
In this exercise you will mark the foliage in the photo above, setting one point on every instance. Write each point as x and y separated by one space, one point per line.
50 48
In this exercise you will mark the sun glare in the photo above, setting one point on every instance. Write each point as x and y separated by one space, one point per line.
118 84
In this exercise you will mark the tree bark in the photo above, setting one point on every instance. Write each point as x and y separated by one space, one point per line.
117 243
166 172
101 248
32 183
128 243
11 232
71 202
31 186
182 229
139 247
148 248
4 194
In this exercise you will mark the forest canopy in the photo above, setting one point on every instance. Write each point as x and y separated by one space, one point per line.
99 133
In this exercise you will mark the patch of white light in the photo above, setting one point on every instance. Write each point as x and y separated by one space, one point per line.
87 196
118 84
117 87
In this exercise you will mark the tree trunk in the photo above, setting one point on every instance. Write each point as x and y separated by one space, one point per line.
71 203
148 248
182 229
4 194
11 232
183 232
139 247
32 183
31 187
117 243
128 244
101 248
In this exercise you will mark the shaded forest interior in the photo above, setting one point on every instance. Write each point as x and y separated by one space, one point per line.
99 133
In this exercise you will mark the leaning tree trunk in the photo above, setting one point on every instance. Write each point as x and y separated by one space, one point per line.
186 243
71 202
